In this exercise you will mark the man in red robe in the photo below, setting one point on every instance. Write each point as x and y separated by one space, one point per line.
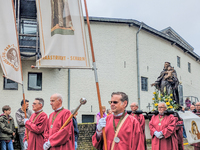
140 118
163 130
197 145
179 133
130 135
35 127
56 139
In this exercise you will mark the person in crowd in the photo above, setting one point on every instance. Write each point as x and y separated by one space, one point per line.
183 109
7 128
54 137
187 108
20 115
98 116
123 132
197 145
188 102
34 136
140 118
192 108
163 130
184 133
76 131
109 112
193 103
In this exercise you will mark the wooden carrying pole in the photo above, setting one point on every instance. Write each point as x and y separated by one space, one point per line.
95 73
20 59
24 105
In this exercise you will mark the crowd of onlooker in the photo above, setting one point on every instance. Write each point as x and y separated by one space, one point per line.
7 126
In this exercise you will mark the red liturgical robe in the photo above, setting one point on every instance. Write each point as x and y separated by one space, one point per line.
130 135
36 131
63 139
179 132
141 120
168 128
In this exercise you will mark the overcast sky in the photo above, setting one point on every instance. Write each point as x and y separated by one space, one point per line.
181 15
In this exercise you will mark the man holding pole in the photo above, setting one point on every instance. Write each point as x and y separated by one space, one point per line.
35 126
54 138
20 115
122 131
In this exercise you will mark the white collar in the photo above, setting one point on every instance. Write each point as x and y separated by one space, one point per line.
38 111
118 114
161 114
59 108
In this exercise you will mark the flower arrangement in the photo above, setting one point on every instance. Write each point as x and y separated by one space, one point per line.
167 98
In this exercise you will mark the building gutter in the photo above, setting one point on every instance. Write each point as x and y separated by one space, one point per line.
138 67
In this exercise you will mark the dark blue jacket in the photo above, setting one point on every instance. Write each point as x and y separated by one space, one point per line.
76 131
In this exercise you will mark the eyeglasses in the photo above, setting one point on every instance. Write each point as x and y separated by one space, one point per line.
114 102
35 103
132 106
161 107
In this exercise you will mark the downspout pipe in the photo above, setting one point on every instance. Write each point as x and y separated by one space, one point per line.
69 89
138 67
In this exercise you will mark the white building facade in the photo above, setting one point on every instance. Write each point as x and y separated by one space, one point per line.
115 47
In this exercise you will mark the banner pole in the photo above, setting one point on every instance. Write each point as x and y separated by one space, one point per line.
95 72
19 58
24 105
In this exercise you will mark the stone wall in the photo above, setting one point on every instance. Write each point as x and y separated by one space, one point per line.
86 131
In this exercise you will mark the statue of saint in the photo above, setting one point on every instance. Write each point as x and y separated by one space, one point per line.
168 81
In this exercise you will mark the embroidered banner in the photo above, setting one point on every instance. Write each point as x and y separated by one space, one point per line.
9 47
62 34
192 126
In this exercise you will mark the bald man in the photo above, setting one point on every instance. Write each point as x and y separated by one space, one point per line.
54 138
197 145
140 118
